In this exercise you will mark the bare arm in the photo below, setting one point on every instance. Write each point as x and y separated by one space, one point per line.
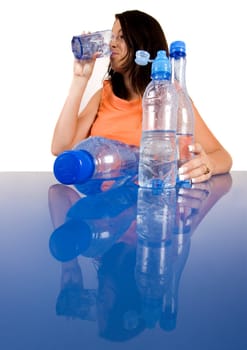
211 157
72 126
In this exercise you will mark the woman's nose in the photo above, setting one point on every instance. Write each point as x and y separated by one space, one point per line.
113 41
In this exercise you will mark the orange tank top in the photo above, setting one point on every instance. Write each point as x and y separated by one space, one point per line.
118 119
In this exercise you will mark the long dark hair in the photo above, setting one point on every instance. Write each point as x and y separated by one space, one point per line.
141 32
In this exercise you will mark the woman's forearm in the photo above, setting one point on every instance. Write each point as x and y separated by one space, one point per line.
66 126
221 161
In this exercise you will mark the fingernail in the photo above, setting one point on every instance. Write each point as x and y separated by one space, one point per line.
182 170
191 148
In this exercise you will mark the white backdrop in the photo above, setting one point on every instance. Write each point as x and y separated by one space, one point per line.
36 68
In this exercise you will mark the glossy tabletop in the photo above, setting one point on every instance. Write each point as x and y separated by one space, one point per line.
123 267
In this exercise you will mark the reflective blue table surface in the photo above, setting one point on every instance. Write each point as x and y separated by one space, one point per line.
123 267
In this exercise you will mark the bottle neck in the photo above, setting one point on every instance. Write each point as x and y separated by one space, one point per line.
178 74
158 76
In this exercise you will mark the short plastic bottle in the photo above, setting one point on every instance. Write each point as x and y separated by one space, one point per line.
158 158
84 46
96 158
185 116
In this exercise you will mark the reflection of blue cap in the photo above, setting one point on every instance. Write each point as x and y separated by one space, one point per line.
75 166
168 320
70 240
177 49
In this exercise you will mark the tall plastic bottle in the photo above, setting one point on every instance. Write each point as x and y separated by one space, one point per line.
158 161
84 46
185 115
96 158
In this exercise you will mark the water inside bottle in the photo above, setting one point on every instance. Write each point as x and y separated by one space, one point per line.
158 164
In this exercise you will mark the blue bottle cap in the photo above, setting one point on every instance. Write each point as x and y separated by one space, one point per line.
74 166
177 49
161 67
142 58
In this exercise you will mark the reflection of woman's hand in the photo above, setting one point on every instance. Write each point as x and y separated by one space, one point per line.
195 202
190 200
199 168
194 196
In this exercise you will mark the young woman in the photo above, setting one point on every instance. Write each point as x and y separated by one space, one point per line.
115 110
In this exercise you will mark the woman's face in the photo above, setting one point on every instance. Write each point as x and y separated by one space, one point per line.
118 47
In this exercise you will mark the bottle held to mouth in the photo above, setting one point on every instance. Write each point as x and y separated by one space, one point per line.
85 45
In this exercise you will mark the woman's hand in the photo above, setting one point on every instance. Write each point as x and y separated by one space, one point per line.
84 68
198 169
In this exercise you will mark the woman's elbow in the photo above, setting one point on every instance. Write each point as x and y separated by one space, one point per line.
230 162
227 162
55 150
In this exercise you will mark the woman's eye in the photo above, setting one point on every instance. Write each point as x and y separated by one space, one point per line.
117 38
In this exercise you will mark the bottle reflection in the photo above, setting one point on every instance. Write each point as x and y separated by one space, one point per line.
94 186
140 243
86 226
180 247
165 223
155 222
93 223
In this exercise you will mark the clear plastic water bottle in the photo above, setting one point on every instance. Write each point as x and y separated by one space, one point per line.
84 46
158 159
96 158
185 116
